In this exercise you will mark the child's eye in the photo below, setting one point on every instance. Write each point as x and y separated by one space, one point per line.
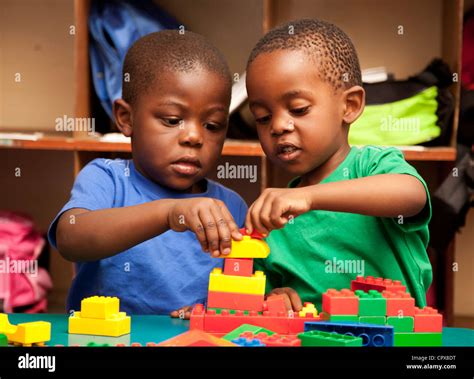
172 121
212 127
300 111
263 120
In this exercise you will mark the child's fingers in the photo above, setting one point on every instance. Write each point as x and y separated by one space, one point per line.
255 216
223 231
266 211
183 313
248 220
234 229
210 228
294 298
198 229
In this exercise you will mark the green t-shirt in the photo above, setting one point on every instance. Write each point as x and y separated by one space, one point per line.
324 249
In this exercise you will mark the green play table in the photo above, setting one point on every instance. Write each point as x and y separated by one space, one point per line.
159 328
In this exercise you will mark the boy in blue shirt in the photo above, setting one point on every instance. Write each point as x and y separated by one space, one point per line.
349 211
137 228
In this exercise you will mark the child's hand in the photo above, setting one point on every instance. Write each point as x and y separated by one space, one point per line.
184 313
275 207
209 219
292 299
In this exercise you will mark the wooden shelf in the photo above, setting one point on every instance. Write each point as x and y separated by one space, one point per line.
231 148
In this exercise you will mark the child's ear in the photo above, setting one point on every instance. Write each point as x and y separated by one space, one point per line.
123 117
354 100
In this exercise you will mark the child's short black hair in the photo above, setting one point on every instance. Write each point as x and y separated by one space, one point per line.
165 51
330 48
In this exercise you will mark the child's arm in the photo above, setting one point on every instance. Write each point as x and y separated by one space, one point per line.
384 195
84 235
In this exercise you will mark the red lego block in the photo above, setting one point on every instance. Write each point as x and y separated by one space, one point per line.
238 301
197 321
254 234
378 284
238 266
343 302
428 320
195 338
219 324
277 340
399 303
275 303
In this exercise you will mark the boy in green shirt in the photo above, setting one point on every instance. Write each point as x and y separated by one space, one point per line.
349 211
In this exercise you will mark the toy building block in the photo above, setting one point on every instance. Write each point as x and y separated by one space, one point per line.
250 246
342 318
343 302
100 307
3 340
401 324
374 320
275 303
278 340
372 335
371 303
248 342
195 338
319 338
237 301
254 284
308 308
246 328
418 339
238 266
94 344
428 320
223 323
399 303
25 334
378 284
105 320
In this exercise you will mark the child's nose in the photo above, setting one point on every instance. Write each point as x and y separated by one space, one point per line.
282 125
191 134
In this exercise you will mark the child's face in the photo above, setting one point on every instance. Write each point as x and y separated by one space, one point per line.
179 126
299 116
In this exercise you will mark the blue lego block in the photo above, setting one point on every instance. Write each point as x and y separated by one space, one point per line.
372 335
246 342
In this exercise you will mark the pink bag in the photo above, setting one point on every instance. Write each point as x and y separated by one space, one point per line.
22 282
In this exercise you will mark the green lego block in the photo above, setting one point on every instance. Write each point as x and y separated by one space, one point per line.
401 324
371 303
417 339
319 338
93 344
375 320
3 340
343 318
246 328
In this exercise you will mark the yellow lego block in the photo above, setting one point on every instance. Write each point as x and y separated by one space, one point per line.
115 325
308 308
25 334
248 248
100 307
254 284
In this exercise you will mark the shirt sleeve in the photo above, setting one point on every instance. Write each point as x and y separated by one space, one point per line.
391 161
94 188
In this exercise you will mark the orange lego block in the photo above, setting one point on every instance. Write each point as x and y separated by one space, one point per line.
343 302
399 303
196 338
237 301
238 266
428 320
275 303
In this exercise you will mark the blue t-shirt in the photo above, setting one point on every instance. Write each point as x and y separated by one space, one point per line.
156 276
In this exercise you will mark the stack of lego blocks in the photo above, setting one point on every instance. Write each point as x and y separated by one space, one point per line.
100 316
387 307
236 296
